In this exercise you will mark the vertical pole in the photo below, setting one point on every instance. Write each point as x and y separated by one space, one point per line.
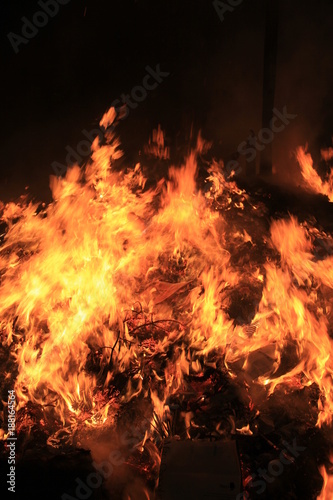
270 56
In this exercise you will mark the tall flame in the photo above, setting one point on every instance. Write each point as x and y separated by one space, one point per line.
310 175
84 278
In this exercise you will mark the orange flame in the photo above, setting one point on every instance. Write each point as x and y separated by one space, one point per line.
327 490
83 277
310 175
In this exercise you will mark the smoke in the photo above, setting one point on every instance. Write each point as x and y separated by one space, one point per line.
305 78
215 82
303 84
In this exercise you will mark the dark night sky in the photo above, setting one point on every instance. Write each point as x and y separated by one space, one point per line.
93 51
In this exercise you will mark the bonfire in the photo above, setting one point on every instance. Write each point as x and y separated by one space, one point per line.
133 317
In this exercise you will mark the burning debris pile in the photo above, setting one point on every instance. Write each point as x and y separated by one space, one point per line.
188 313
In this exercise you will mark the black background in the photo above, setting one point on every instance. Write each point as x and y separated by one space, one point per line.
92 51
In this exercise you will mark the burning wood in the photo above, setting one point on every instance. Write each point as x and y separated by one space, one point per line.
182 309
